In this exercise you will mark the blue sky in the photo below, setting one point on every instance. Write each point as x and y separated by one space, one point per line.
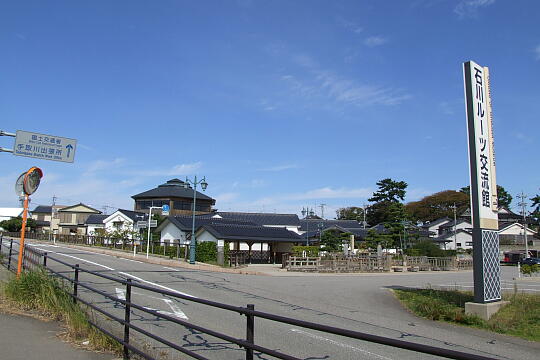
280 104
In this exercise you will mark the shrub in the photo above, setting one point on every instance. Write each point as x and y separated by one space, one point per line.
311 251
206 251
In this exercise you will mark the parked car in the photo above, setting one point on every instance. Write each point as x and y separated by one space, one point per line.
530 261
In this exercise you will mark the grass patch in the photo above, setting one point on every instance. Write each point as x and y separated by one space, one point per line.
520 318
37 291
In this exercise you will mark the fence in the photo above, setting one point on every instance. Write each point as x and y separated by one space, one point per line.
37 259
373 263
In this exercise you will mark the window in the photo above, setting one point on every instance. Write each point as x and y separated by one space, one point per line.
145 204
182 205
65 218
458 244
469 243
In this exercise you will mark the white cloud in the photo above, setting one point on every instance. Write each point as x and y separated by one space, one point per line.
351 92
350 25
280 167
99 165
320 84
373 41
537 52
176 170
226 197
469 8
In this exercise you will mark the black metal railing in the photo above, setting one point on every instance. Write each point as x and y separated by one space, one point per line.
34 259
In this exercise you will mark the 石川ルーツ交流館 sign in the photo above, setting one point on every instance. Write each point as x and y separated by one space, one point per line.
46 147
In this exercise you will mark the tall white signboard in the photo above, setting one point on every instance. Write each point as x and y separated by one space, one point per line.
484 204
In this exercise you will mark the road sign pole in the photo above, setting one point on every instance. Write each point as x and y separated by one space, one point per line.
23 229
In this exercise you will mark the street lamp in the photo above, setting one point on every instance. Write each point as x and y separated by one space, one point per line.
204 185
149 229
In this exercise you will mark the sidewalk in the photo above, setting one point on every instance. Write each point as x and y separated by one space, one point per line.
27 338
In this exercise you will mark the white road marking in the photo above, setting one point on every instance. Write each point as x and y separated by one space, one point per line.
77 258
154 284
136 261
121 294
170 268
177 312
337 343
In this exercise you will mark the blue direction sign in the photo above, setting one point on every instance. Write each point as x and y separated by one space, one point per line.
46 147
165 210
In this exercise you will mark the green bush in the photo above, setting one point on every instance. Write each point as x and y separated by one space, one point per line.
206 251
36 290
530 269
311 251
428 248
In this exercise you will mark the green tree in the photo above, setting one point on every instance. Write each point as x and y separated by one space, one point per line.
504 199
536 212
438 205
389 190
374 238
15 224
386 198
350 213
332 240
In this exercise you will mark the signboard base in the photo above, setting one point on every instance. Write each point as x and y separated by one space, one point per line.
486 266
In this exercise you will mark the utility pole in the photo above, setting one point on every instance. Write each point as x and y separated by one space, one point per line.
52 218
322 210
365 207
455 223
523 204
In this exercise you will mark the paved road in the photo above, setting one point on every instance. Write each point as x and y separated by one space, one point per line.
359 302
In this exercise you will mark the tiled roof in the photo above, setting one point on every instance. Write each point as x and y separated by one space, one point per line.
42 209
133 215
96 219
173 188
436 222
184 223
251 232
314 223
263 218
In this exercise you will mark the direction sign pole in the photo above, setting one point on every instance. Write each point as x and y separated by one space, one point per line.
23 229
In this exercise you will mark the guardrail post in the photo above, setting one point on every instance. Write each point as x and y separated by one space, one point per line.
75 283
10 251
44 259
250 331
127 319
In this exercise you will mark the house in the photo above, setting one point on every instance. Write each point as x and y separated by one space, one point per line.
433 227
450 227
72 219
461 240
264 243
44 216
511 233
177 229
178 195
287 221
312 228
124 220
94 223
